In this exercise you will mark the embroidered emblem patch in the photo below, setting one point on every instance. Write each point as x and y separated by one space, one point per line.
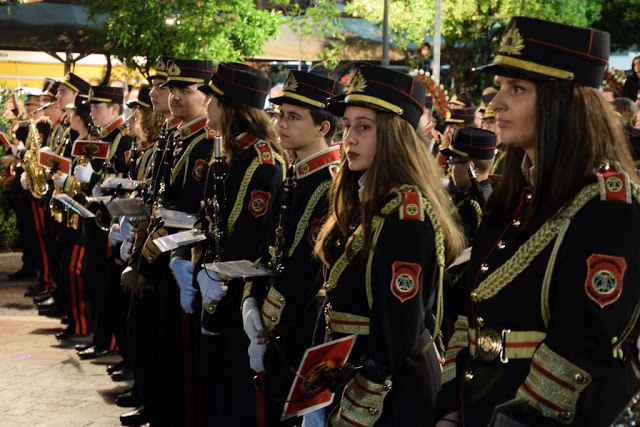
405 280
314 232
512 42
410 208
264 151
198 169
604 278
259 203
613 185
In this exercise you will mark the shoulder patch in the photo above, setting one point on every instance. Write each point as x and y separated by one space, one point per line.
259 203
405 278
411 207
614 185
211 133
605 275
265 153
198 169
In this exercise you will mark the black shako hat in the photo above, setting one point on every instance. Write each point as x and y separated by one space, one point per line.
307 90
463 100
460 116
185 72
161 68
534 49
472 143
47 82
108 94
52 89
382 89
144 99
238 84
76 84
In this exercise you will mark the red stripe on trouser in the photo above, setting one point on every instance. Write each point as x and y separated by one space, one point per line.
260 402
83 314
114 345
38 219
45 260
72 289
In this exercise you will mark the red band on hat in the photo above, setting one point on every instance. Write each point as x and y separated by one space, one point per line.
397 90
577 52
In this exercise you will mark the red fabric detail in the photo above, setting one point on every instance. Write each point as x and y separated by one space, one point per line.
605 275
266 156
38 220
117 123
72 285
405 280
350 421
541 399
318 162
246 140
95 149
614 185
577 52
349 322
552 377
193 128
113 346
411 205
273 304
522 344
259 203
363 388
353 402
198 170
82 312
314 230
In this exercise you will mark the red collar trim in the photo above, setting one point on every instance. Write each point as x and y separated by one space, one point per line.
318 161
189 129
173 122
245 139
116 123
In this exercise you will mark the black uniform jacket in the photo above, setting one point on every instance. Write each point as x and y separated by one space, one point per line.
547 312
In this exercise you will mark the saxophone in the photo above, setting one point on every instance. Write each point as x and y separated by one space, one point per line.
36 178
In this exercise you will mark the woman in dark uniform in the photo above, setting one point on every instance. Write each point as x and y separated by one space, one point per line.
387 239
553 286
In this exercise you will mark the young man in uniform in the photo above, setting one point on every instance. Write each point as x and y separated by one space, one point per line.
286 307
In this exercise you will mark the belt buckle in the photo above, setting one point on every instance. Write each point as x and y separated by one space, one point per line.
489 344
503 351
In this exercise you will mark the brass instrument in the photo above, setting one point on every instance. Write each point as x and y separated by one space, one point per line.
36 179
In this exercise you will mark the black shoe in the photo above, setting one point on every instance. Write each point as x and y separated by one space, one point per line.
134 418
64 335
42 292
92 353
65 320
53 311
42 297
128 400
83 346
117 367
34 290
49 302
124 375
22 274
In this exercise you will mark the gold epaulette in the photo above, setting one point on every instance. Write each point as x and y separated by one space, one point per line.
265 152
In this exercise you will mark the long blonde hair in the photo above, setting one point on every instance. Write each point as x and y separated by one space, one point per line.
401 158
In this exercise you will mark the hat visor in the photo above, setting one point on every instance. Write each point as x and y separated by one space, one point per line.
156 76
133 104
338 104
206 89
178 83
288 100
518 73
448 152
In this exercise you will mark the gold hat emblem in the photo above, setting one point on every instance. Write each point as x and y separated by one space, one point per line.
174 70
291 85
512 42
160 65
357 83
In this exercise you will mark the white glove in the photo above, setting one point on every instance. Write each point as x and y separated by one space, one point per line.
183 272
252 318
16 149
59 179
211 285
23 180
96 192
83 173
317 418
115 236
638 345
256 356
46 150
126 228
125 249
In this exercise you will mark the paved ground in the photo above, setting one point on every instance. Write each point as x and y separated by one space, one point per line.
41 382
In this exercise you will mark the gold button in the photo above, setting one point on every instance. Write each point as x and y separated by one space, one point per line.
484 268
474 296
501 244
281 299
373 411
480 322
273 318
516 223
529 196
468 376
387 386
581 379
